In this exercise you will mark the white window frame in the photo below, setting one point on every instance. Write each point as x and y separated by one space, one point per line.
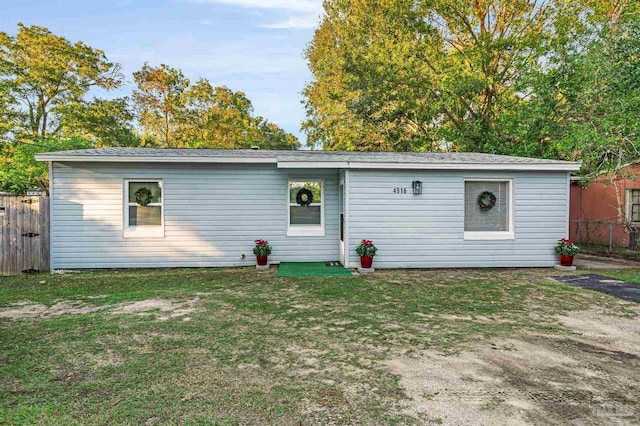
142 231
493 235
305 230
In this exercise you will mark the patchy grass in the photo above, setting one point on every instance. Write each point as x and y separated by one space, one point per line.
236 346
629 275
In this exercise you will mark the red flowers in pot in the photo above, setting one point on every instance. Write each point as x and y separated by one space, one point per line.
262 250
566 249
366 250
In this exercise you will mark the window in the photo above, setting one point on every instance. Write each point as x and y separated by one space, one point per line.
305 220
495 223
633 205
143 221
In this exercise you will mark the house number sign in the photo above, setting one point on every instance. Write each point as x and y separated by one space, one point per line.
400 191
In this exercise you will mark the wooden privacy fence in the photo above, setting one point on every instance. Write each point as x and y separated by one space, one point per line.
24 234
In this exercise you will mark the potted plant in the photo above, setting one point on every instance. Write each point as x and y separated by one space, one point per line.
366 250
262 250
566 249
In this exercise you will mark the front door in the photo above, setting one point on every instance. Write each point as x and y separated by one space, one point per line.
341 219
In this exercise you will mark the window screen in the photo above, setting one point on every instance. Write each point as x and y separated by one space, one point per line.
494 220
635 205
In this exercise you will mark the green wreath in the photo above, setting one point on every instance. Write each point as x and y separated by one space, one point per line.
304 197
486 201
143 196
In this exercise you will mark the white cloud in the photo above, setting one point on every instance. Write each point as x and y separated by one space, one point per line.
294 22
297 13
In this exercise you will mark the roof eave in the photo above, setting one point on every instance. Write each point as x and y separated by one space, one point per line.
566 166
152 159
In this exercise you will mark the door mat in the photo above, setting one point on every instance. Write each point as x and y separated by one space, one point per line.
622 289
311 269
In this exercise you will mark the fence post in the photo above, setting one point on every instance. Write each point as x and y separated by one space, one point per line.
611 238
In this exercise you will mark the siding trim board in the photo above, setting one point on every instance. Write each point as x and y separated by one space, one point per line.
214 212
314 159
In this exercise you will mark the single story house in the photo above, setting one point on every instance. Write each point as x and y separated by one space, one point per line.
139 207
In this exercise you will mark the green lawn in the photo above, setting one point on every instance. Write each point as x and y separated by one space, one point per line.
237 346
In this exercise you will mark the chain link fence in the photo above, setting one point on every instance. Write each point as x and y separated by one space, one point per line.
605 233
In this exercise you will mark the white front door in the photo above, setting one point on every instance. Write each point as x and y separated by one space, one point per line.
341 219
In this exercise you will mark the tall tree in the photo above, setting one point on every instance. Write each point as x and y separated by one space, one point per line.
600 121
19 170
423 75
43 71
8 113
271 136
159 102
176 113
218 116
105 122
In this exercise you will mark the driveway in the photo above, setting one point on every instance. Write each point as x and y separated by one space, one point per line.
622 289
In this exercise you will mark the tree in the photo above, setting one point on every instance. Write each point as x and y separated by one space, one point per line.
43 71
271 136
176 113
105 122
8 115
19 170
159 102
423 75
585 102
218 117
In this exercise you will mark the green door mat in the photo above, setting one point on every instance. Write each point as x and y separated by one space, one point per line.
311 269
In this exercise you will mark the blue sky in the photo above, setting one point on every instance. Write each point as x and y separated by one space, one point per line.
251 45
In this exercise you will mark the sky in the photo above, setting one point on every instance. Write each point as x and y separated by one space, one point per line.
254 46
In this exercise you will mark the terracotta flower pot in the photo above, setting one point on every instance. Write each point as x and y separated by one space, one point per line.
262 259
566 260
366 261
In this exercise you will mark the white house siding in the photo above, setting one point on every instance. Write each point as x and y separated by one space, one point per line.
213 213
427 230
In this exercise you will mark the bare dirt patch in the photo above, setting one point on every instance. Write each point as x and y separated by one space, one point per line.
168 309
163 308
26 309
592 377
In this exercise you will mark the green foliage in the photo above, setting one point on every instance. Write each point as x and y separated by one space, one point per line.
551 78
43 71
262 248
176 113
44 80
567 248
105 122
19 170
408 75
366 248
159 101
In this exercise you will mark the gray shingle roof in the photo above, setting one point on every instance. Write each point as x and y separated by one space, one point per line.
300 156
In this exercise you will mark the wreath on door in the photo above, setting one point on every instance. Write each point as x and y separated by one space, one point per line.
143 196
304 197
486 201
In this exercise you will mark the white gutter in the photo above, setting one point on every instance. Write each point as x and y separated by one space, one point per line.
152 159
566 166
